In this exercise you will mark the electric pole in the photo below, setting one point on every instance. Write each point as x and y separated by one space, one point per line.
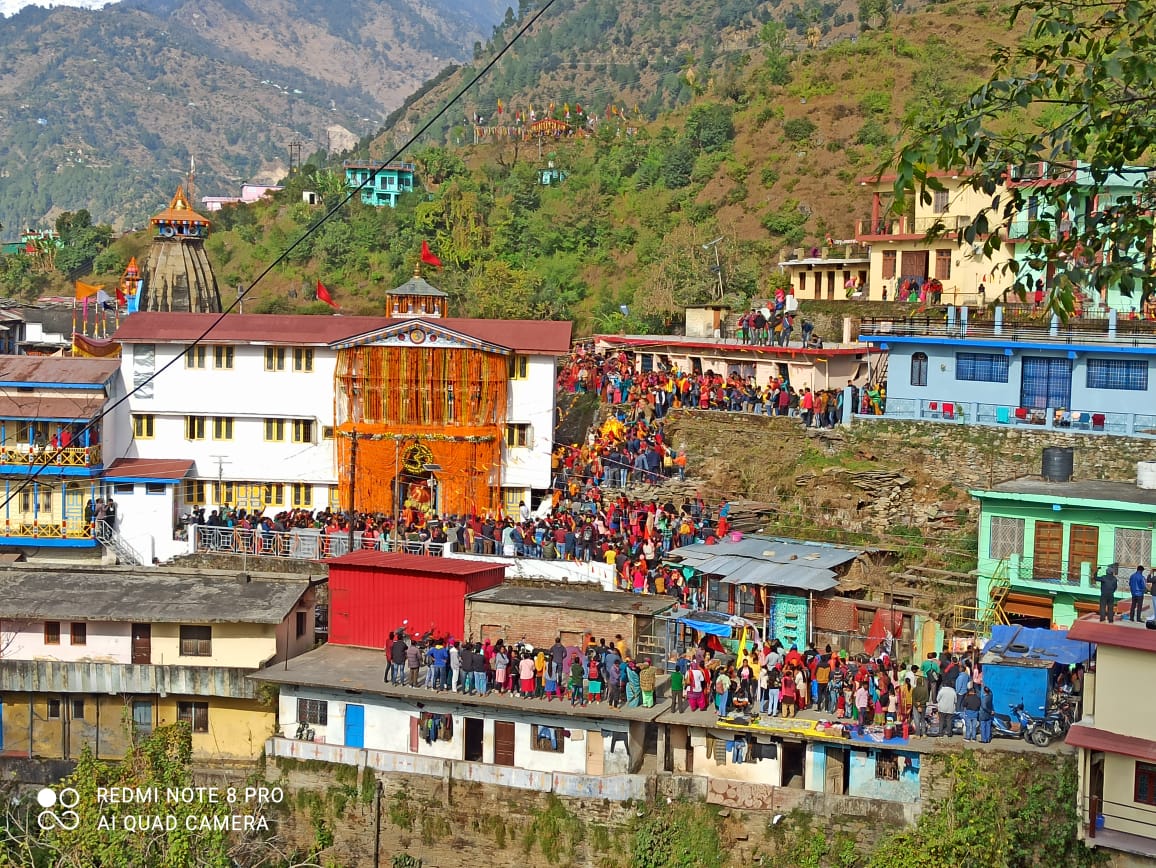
352 484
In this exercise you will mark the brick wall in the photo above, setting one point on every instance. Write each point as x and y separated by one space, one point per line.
540 626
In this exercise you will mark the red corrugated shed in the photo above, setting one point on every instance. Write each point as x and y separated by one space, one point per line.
373 593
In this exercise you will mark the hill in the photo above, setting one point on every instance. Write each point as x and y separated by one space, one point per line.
102 109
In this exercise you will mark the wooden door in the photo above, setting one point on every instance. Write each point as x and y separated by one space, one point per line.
1048 551
142 644
1083 548
914 263
836 763
595 754
503 743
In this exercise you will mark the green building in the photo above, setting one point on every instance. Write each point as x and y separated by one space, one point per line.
384 182
1041 544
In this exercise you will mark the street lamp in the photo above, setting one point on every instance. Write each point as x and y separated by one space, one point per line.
713 245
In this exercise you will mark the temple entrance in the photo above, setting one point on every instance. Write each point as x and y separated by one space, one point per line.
416 486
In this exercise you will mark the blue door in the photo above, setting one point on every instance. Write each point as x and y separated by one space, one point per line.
354 725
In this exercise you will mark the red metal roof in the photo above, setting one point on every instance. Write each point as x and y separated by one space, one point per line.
427 565
1091 738
1122 634
149 468
79 407
548 337
57 369
657 344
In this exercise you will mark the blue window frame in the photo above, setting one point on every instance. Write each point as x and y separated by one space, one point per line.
1047 382
982 367
1129 374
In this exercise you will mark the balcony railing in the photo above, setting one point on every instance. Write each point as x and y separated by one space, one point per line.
301 543
34 456
1003 415
1138 333
51 528
908 225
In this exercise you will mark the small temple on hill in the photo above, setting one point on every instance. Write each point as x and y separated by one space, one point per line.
178 275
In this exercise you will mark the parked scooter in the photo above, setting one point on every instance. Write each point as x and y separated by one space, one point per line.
1002 724
1053 725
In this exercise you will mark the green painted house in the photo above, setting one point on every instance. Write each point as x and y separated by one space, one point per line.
1041 543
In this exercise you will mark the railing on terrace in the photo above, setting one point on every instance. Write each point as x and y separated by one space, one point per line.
908 225
301 543
52 528
1077 574
34 456
1074 421
1087 331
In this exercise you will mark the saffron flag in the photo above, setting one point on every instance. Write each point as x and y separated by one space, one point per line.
323 295
499 106
427 256
85 290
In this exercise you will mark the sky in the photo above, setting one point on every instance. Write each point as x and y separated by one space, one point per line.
11 7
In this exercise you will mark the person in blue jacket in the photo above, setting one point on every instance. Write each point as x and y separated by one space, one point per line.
1137 585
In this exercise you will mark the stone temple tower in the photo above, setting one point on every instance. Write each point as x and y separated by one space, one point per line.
178 276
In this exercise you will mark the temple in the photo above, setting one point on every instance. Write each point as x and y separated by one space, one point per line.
179 276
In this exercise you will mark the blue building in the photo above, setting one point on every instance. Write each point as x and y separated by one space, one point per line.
1091 376
391 180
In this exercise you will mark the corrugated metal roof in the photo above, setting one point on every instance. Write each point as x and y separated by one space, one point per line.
149 468
80 595
54 676
423 564
80 407
763 560
64 370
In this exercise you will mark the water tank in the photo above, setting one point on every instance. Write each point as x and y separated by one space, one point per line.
1146 475
1057 464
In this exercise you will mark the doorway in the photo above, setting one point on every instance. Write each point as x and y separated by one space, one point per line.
142 644
838 778
794 764
503 743
474 732
354 725
1048 550
1083 548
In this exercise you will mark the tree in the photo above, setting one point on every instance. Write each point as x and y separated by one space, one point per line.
874 14
1079 90
710 126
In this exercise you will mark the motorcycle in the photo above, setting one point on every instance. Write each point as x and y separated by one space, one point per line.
1053 725
1002 724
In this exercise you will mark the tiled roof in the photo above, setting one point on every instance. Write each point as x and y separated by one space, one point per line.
61 370
550 337
162 469
80 407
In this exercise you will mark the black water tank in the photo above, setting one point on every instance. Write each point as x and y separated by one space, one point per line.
1057 464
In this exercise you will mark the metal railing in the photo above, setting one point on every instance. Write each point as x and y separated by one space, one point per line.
124 550
908 225
301 543
1092 331
53 528
1141 425
34 456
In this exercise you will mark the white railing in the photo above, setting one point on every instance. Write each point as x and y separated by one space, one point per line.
300 543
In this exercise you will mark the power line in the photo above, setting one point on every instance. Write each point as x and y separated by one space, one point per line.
370 179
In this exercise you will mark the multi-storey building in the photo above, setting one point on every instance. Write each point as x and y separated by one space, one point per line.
89 658
386 186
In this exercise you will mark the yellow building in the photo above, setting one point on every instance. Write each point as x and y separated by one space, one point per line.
97 656
1117 758
906 266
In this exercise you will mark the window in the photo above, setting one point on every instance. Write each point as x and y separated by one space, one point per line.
79 633
196 640
194 427
195 491
54 709
142 715
302 494
78 709
155 488
313 711
223 357
302 430
275 430
143 425
223 492
51 632
326 432
1145 783
1006 537
274 358
1046 382
1129 374
222 427
1133 547
274 494
195 714
303 359
888 264
982 367
886 766
551 739
195 356
519 367
518 434
943 264
124 488
939 201
37 499
301 616
919 369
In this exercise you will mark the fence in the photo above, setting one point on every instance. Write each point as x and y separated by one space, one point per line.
300 543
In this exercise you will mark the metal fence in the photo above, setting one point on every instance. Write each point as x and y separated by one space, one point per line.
301 543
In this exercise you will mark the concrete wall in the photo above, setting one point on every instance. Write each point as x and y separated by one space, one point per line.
146 519
238 728
1119 705
865 784
531 401
105 642
540 625
563 572
1121 811
240 645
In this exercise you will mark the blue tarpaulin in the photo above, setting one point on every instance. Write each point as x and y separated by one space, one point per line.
1033 643
714 623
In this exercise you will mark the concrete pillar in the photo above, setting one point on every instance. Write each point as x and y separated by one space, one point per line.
847 407
662 736
963 320
950 316
1112 323
998 327
1054 327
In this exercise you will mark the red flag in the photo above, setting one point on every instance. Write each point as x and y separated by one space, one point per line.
427 257
121 298
323 295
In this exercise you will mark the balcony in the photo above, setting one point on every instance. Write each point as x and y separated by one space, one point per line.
16 457
54 676
1142 425
910 228
1012 324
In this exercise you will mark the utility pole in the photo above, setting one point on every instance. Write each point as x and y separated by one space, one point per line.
717 263
352 483
221 460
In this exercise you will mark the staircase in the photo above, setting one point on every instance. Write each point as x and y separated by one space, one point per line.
879 368
970 618
107 536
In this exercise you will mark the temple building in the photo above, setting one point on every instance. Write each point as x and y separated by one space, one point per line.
178 275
